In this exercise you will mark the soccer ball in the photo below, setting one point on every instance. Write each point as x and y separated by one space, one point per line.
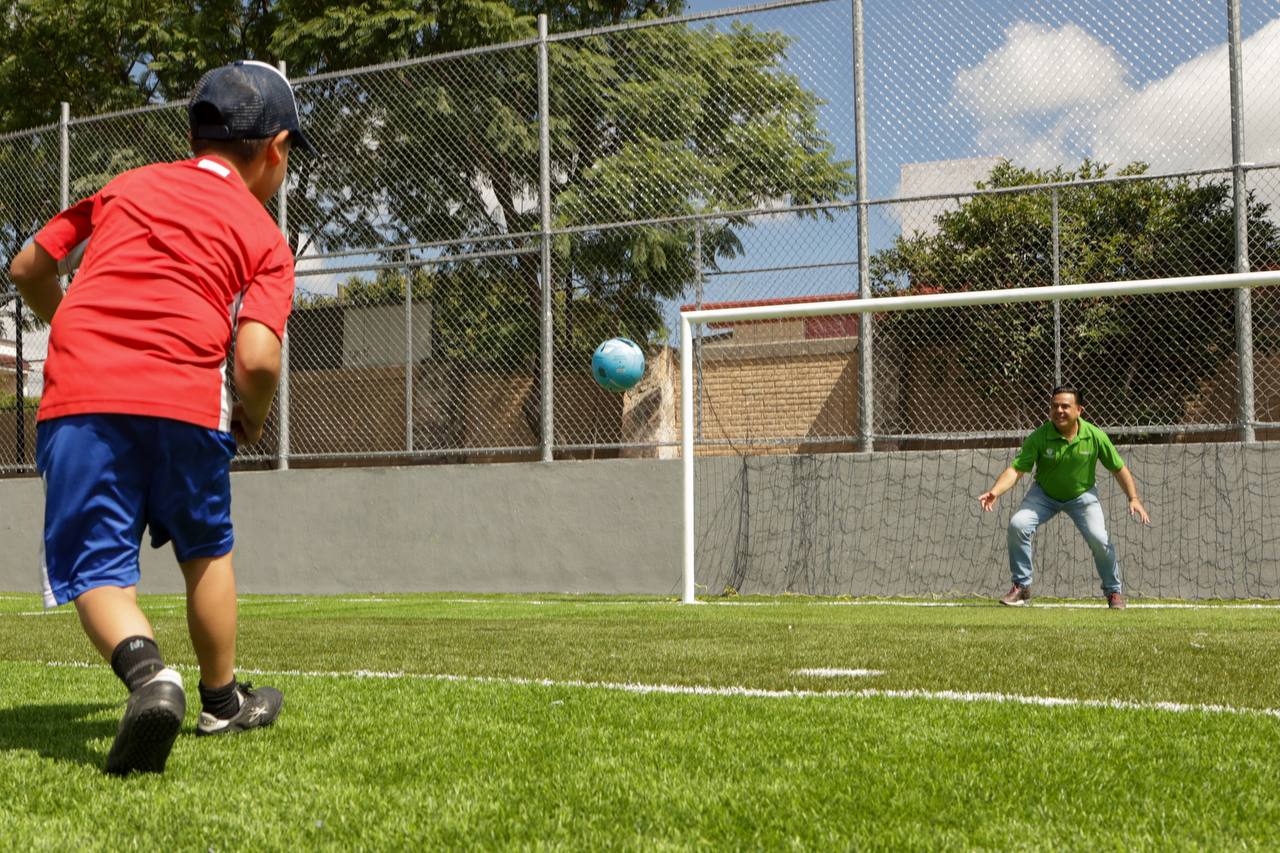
617 364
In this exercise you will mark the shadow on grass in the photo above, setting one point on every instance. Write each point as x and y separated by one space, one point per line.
62 732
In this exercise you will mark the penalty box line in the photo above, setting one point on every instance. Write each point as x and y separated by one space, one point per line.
751 692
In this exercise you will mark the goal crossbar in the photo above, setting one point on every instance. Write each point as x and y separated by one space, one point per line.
878 305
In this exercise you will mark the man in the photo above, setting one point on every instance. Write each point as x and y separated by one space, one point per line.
1064 452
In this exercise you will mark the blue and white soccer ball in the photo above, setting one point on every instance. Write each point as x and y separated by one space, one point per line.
617 364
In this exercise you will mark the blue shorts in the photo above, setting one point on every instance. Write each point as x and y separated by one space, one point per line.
108 476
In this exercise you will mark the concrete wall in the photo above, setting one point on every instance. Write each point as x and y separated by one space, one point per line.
887 524
603 526
908 523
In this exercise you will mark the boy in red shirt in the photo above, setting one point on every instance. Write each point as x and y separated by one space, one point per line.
137 426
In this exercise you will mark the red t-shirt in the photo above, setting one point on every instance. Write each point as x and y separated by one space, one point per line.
181 253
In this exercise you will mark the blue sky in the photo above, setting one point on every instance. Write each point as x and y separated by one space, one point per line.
1041 83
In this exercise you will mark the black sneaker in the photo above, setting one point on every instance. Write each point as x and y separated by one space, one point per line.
150 724
258 707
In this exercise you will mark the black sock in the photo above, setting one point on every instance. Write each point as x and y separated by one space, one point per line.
222 702
135 660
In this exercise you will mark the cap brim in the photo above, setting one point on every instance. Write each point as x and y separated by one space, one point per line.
300 140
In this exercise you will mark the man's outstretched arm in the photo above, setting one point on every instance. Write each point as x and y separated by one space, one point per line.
1130 489
1008 477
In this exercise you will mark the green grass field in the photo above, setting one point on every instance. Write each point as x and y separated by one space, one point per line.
516 722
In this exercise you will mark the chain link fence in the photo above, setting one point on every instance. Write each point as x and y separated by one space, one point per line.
461 251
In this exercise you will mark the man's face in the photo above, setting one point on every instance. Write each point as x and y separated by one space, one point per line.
1064 411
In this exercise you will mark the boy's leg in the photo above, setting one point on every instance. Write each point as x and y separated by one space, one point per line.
121 633
228 706
211 617
94 476
110 615
190 505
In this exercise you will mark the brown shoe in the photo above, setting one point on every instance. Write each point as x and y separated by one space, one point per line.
1115 601
1018 596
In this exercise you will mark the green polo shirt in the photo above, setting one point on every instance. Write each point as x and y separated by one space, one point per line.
1067 469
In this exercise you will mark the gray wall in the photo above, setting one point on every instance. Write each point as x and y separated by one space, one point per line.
908 523
600 526
887 524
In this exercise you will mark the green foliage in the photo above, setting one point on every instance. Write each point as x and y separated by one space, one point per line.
9 403
101 57
652 123
1145 357
659 122
110 56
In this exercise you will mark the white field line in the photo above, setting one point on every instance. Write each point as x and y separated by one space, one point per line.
826 672
749 692
975 603
1065 605
64 611
854 603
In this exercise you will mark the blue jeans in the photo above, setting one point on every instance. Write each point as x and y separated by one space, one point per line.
1085 511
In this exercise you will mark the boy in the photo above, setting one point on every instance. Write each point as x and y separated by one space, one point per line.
136 426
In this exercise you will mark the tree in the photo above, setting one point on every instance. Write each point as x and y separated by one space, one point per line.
1140 359
659 122
102 57
653 123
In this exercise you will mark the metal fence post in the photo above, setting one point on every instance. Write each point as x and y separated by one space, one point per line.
1057 303
544 202
408 354
866 373
282 219
20 434
64 159
1244 305
697 303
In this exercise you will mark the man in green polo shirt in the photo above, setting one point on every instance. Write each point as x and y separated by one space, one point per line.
1065 453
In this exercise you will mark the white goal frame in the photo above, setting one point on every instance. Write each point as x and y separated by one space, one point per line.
885 304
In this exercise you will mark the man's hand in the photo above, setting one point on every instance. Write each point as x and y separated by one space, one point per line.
1138 511
245 430
1003 483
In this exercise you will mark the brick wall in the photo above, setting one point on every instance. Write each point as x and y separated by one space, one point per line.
796 389
362 410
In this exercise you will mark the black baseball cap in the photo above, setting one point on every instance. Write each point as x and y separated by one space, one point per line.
245 100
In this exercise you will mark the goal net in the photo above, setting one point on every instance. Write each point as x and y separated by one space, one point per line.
838 447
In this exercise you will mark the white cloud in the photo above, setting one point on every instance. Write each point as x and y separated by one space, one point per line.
1183 121
1050 97
1040 70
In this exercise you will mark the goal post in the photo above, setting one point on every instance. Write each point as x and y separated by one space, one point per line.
892 305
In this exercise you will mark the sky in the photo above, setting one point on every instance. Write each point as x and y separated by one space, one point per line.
1044 84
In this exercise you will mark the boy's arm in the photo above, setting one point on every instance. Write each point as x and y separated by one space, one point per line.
35 273
257 370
